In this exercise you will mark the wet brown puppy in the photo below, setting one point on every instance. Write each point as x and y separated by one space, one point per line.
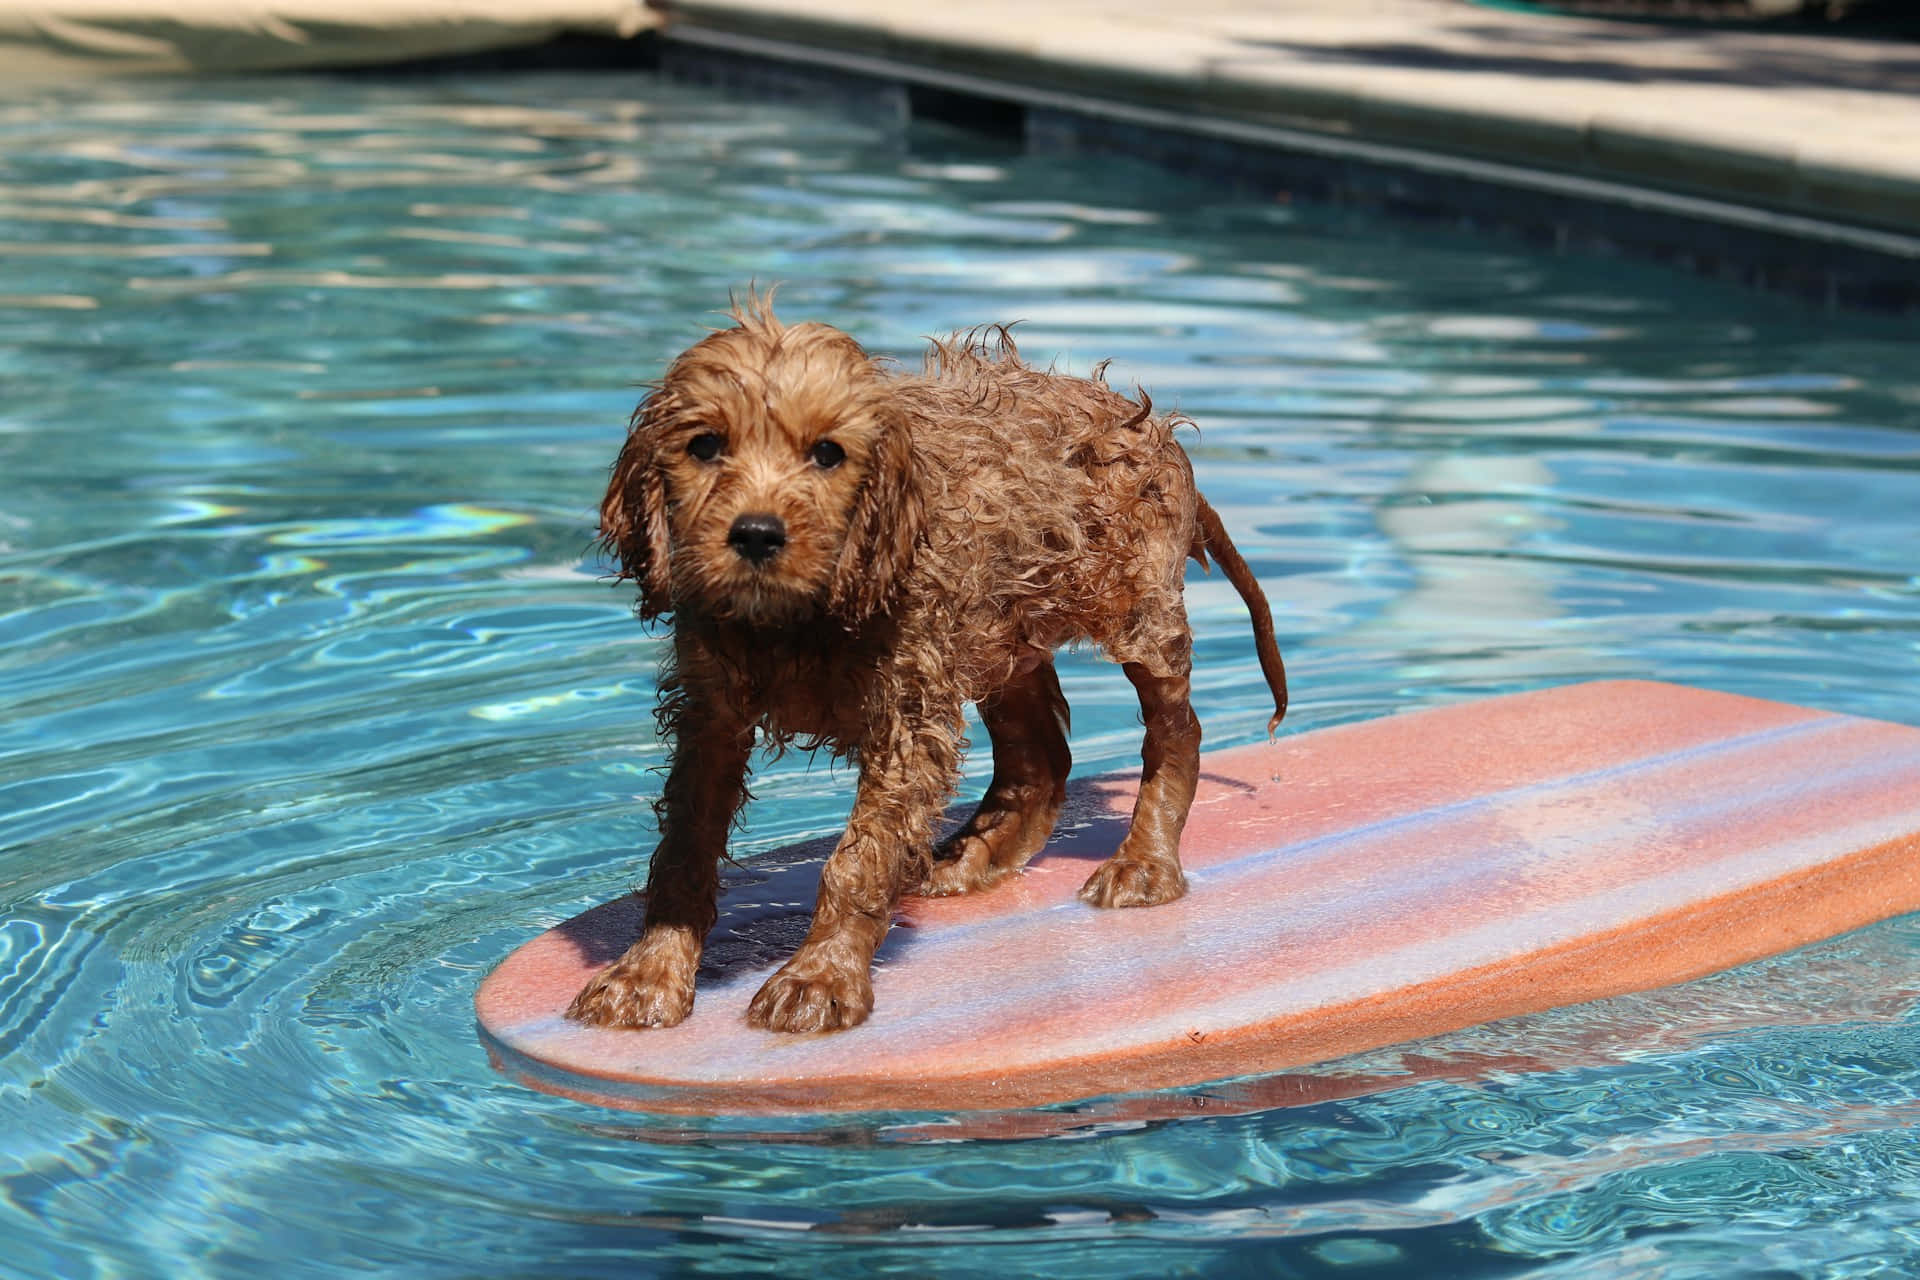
851 555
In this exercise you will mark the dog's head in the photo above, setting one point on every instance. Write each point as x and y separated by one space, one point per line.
767 479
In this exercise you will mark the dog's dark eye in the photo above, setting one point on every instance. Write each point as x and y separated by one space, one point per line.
705 446
827 455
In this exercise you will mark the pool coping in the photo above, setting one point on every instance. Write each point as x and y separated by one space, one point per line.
1703 197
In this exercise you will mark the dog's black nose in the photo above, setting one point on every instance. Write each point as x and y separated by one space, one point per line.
758 538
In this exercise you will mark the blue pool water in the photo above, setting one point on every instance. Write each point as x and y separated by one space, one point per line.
317 700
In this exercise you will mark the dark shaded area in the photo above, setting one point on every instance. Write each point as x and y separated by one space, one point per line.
1839 17
995 117
603 933
765 908
562 53
1758 62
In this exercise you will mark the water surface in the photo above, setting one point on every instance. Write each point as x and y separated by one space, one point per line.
318 699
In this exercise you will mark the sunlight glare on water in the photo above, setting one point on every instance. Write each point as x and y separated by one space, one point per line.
318 699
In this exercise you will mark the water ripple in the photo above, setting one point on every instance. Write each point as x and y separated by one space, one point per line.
319 697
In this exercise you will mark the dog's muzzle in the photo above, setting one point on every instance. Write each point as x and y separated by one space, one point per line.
757 538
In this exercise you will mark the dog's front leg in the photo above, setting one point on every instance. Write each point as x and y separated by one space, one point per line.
651 985
827 985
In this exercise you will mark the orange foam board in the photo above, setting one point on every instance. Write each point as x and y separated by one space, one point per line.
1350 888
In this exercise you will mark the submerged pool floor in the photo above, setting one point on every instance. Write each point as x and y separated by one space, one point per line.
318 700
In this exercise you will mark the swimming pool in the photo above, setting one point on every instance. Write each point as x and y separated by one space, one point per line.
318 701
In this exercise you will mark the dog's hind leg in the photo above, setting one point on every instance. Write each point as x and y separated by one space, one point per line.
1027 721
1145 871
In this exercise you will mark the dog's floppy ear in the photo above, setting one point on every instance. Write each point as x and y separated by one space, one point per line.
633 514
886 524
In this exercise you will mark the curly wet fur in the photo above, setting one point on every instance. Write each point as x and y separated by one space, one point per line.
943 533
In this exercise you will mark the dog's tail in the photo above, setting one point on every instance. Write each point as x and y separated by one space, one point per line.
1213 537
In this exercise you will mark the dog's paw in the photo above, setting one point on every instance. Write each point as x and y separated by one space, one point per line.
812 997
1126 883
962 868
634 993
